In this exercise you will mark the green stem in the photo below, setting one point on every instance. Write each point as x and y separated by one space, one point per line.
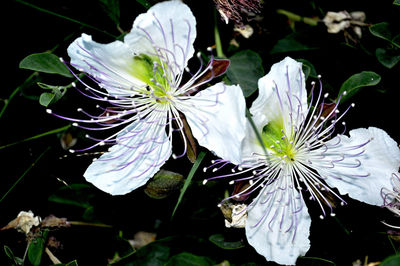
66 18
295 17
391 243
259 138
341 225
320 259
26 171
89 224
37 136
218 44
7 102
189 179
29 79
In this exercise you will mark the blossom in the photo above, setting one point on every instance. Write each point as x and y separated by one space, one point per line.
300 157
342 21
24 222
143 97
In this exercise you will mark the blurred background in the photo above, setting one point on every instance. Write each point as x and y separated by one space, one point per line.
39 174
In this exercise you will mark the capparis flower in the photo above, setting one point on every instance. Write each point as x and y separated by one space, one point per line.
146 92
295 152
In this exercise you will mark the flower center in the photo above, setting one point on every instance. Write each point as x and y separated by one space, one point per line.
156 74
278 142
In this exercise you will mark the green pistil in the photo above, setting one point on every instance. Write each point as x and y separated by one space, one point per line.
143 68
279 143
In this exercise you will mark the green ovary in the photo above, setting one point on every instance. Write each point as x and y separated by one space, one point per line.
143 69
278 142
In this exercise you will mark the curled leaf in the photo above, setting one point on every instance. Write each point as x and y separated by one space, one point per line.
53 221
163 184
47 98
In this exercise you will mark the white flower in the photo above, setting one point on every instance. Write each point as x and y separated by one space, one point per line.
140 82
301 157
26 220
341 21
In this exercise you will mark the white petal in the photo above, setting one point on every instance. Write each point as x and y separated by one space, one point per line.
141 150
110 64
168 29
217 119
278 224
281 91
379 161
251 145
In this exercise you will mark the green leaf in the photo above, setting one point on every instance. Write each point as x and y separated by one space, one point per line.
78 195
290 44
74 194
36 248
219 240
163 184
111 7
10 254
144 3
396 2
45 62
245 69
391 261
188 259
189 179
47 98
308 68
88 214
396 40
382 30
123 250
357 81
151 255
387 57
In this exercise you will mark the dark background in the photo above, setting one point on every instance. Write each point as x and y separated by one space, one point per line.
356 233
